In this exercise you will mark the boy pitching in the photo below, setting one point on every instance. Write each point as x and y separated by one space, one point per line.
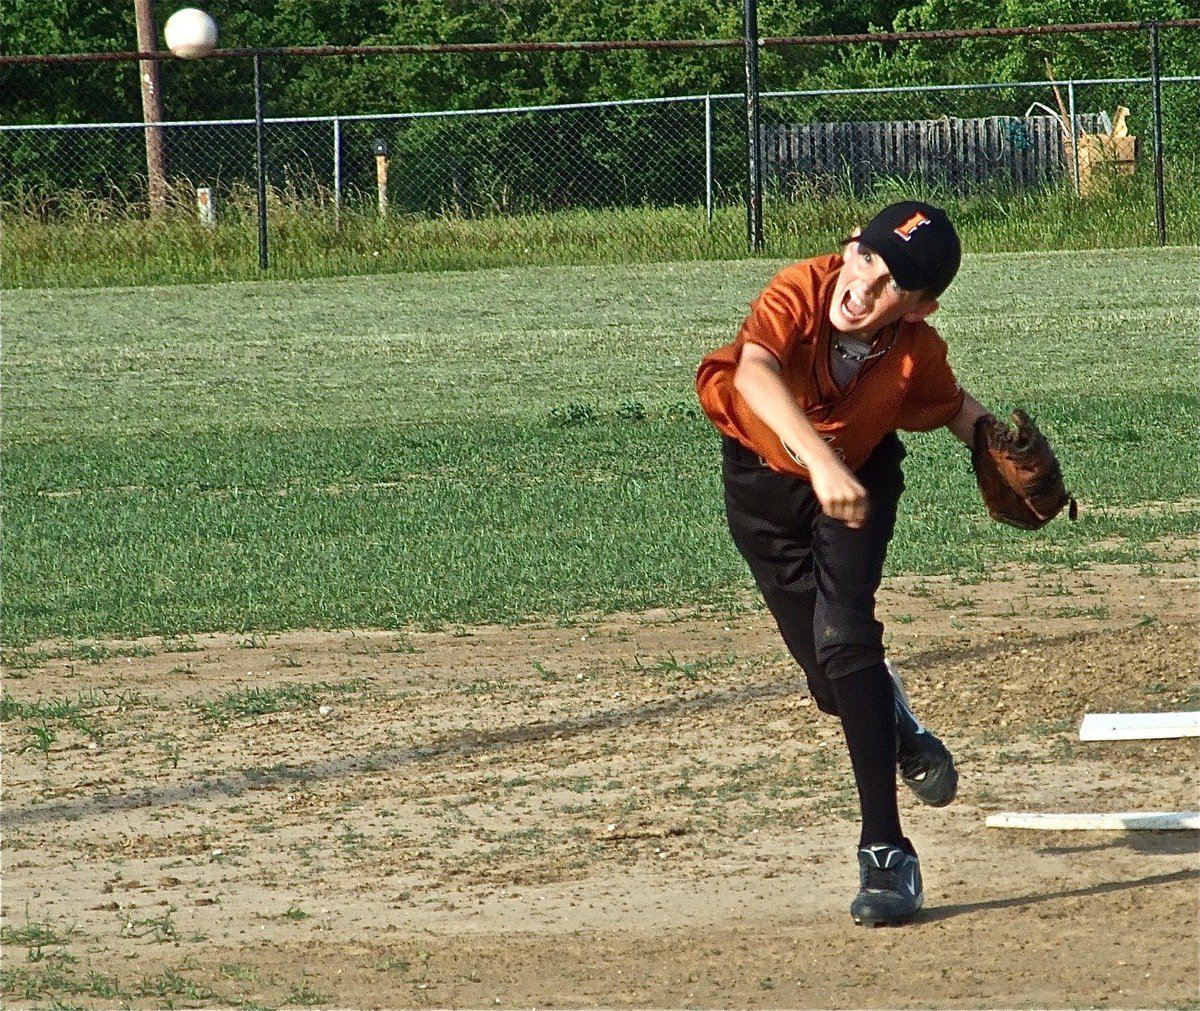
836 356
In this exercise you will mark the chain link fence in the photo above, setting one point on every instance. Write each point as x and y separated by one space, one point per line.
495 161
958 141
679 151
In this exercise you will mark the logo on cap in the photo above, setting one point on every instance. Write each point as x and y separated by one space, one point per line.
907 229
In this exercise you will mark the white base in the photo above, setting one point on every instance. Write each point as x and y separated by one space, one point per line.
1138 726
1114 822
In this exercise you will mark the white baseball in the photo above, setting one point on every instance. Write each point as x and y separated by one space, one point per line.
190 33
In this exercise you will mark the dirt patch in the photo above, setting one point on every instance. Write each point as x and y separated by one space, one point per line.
637 811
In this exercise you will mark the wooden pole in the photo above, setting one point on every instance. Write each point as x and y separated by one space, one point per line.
152 114
381 183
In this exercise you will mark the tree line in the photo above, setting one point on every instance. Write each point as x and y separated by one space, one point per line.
346 86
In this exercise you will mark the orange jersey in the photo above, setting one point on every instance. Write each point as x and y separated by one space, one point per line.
911 387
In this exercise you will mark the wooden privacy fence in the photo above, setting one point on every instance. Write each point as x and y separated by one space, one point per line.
960 154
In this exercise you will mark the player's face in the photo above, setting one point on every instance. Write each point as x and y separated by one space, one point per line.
866 298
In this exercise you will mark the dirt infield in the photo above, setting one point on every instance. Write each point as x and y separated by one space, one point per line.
638 811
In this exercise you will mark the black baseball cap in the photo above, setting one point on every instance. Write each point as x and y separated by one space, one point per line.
918 244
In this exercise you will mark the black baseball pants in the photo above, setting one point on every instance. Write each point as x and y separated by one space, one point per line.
819 578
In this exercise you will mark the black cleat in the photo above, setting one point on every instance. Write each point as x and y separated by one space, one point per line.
890 888
926 766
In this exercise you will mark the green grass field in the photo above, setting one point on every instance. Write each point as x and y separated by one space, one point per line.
444 448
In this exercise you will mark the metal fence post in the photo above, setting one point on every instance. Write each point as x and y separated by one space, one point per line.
337 172
1160 208
1075 169
260 144
708 157
754 215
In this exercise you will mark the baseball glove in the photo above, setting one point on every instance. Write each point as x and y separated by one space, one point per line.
1017 472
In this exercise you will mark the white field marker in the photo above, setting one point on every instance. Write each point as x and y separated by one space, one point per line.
1116 727
1117 821
1138 726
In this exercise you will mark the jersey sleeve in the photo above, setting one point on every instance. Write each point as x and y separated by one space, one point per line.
934 395
783 315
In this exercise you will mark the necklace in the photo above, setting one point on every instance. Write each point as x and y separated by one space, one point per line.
855 355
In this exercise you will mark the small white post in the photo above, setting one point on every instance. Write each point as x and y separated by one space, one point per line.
205 207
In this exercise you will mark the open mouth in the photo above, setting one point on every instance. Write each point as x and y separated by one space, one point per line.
853 308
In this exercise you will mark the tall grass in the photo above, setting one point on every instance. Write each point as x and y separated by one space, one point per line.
82 240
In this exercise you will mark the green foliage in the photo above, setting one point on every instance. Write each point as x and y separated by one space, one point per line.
1077 55
297 86
34 94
